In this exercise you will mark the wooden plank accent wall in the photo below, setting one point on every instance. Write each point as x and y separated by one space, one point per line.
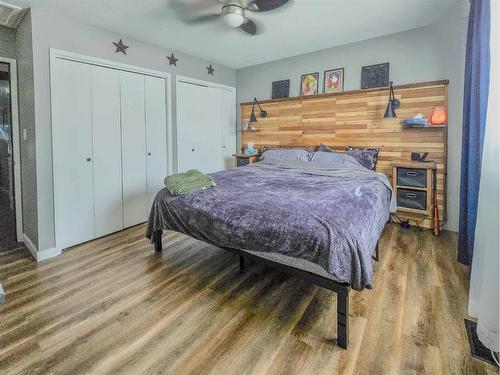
356 118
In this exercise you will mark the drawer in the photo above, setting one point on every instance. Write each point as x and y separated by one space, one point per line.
240 162
412 177
415 199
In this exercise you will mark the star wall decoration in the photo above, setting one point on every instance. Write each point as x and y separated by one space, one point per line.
210 70
120 47
172 60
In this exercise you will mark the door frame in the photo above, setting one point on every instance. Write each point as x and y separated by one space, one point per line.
89 60
180 78
16 146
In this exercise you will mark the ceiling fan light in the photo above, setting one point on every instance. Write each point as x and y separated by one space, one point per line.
233 15
233 20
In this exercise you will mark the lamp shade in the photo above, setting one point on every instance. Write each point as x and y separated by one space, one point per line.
389 112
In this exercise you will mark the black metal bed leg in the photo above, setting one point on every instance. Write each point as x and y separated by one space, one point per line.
157 240
343 317
242 263
377 253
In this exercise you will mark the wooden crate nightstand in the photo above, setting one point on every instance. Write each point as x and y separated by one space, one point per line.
244 159
413 184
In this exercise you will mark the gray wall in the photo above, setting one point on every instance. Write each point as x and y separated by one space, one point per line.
51 31
24 52
431 53
7 42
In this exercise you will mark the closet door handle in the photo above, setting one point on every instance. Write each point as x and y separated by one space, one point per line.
192 149
89 159
149 153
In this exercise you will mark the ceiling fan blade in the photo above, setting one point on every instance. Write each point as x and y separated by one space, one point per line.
249 27
192 5
201 19
195 11
265 5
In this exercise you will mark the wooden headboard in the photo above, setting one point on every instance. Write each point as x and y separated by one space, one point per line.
356 118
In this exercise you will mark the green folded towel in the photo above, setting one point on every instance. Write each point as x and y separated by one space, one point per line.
183 183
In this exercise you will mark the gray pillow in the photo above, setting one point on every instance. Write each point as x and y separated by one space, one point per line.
334 159
325 148
285 154
365 156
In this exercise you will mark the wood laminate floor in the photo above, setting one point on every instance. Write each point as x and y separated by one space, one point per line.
114 306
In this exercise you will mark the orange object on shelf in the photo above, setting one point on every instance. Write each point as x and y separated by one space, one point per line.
438 116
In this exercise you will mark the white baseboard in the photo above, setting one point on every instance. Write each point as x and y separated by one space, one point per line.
47 254
40 255
31 247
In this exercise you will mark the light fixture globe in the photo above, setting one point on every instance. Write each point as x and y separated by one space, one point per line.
233 15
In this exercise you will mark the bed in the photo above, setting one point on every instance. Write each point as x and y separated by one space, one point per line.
320 221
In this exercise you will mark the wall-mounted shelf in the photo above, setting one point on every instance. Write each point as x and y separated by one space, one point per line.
250 131
423 126
352 92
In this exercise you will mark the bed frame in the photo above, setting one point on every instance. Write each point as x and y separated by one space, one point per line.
342 289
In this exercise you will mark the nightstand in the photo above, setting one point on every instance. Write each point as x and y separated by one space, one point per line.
244 159
413 184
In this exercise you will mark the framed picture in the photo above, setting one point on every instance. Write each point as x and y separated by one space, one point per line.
333 81
309 84
375 76
281 89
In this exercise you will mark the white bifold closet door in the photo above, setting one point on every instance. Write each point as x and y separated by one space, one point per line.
135 197
156 135
106 144
109 147
72 152
199 128
228 101
144 134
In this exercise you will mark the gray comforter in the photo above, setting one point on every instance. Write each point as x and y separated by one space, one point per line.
330 216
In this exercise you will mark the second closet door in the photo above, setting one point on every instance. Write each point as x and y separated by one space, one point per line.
107 146
135 196
199 133
156 135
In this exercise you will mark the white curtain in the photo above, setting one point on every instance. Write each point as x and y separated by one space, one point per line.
484 286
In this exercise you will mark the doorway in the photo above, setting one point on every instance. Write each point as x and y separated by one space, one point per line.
8 147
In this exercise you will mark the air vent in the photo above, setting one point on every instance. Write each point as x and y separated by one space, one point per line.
10 15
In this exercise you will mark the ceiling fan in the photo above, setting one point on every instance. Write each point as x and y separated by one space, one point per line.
232 12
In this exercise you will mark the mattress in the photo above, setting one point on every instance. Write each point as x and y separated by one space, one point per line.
331 217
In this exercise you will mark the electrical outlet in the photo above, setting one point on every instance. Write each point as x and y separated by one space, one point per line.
25 134
415 156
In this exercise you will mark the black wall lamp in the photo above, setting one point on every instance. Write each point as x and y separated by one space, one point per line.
392 105
262 112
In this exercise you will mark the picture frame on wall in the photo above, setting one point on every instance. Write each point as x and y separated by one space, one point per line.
309 84
376 75
281 89
333 81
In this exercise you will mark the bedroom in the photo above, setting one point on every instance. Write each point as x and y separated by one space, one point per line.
344 218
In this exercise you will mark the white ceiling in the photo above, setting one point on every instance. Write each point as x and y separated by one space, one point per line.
299 27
